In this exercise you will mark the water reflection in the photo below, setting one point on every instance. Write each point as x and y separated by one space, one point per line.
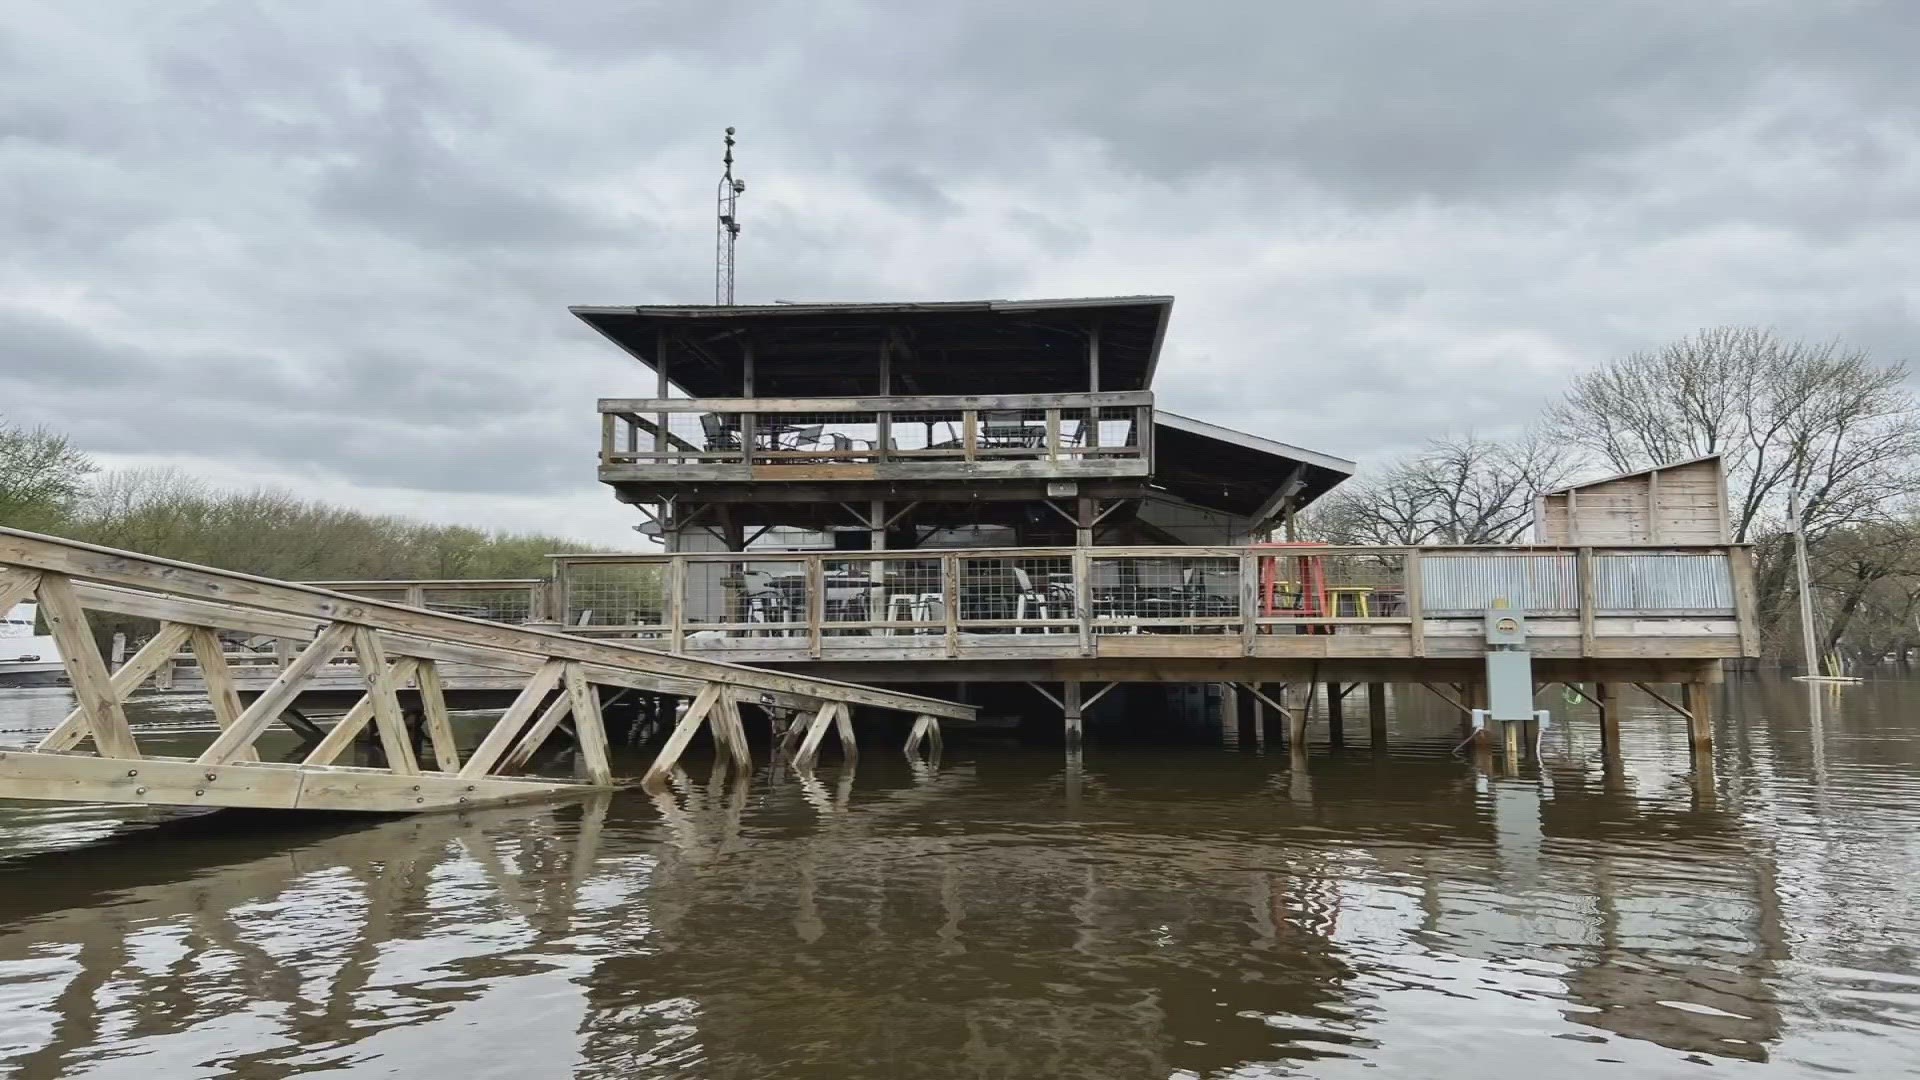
1116 913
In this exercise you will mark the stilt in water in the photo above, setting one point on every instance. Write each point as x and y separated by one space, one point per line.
1377 715
1336 716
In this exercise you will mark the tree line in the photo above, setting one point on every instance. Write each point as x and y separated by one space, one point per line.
48 485
1822 419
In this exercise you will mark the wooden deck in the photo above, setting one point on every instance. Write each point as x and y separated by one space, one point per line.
771 449
1175 614
394 659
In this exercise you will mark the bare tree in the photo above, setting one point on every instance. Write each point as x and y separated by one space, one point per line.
1458 490
1821 418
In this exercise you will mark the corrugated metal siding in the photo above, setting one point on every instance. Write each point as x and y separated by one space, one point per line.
1474 582
1657 582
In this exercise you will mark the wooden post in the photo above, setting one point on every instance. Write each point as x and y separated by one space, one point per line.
1336 716
88 673
1609 720
1416 626
1070 706
950 601
1296 702
222 695
589 729
676 604
1698 699
1583 572
1377 715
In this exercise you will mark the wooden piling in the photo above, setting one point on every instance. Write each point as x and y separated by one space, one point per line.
1608 707
1336 716
1698 699
1070 709
1377 715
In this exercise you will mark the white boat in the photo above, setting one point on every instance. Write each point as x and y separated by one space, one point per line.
27 659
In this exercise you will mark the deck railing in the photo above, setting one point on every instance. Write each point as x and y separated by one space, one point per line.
1023 434
986 601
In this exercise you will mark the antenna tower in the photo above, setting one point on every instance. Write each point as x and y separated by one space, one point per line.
728 228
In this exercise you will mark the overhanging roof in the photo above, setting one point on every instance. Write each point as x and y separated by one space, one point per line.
1212 466
1585 484
947 347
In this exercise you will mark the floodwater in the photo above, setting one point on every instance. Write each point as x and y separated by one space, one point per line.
1137 912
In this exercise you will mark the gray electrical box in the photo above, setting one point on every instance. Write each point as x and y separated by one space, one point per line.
1506 627
1510 685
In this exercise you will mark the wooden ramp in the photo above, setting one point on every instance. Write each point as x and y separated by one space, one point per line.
393 648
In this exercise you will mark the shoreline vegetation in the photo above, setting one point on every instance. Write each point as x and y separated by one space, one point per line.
50 486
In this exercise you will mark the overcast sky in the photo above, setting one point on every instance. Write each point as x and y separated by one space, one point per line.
329 246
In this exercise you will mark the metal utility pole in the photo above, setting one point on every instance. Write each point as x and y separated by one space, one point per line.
1809 650
728 228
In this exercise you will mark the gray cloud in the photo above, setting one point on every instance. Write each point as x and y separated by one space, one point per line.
334 243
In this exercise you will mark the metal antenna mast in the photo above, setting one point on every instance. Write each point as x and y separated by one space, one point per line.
728 229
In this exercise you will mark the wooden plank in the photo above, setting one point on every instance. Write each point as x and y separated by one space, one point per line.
81 778
433 707
676 743
589 729
158 650
92 686
507 729
222 695
16 585
388 721
536 735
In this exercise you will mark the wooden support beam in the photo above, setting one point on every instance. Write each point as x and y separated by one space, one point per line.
589 728
1465 710
396 743
1377 715
1072 711
1700 698
676 743
222 694
92 686
15 586
1253 689
349 726
433 708
1609 719
1681 711
276 697
831 714
1336 715
507 729
536 735
925 729
158 650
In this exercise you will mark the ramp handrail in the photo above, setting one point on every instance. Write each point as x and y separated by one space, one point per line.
395 647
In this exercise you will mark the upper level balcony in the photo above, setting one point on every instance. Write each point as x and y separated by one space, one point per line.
1010 446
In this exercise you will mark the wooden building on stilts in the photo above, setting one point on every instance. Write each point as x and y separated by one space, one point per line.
984 500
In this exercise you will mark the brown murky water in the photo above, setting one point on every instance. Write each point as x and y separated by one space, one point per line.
1137 913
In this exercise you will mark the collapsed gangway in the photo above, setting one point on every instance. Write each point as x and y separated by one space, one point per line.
394 649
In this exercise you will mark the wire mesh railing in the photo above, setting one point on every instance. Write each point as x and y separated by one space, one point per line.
1019 598
808 431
